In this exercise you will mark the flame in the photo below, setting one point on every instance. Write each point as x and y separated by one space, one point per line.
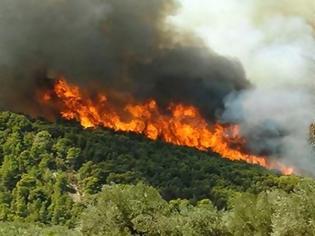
181 125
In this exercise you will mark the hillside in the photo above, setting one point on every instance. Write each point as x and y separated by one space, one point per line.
51 171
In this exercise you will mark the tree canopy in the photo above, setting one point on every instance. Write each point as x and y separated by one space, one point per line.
99 182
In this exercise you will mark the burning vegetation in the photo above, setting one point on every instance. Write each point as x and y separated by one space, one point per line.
180 124
171 85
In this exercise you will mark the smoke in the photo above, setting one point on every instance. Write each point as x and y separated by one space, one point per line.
146 49
274 40
127 46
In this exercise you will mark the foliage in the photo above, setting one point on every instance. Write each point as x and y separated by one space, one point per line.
22 229
140 210
52 172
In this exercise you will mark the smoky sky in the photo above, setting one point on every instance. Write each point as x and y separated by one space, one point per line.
123 45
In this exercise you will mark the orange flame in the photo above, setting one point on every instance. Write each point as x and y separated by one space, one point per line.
183 125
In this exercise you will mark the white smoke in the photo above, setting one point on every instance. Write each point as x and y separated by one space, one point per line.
274 40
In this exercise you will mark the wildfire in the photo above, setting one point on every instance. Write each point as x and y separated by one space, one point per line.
181 125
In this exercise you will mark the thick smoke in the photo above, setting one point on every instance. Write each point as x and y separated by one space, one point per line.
274 41
121 45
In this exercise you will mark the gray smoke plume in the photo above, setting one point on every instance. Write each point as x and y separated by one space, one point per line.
276 122
274 40
123 45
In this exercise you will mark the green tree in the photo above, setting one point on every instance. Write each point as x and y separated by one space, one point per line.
250 215
124 210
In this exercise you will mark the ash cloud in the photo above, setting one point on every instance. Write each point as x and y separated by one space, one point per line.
121 45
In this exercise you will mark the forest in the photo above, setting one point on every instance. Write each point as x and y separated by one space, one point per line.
57 178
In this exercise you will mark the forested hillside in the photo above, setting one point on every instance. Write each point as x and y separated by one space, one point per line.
96 181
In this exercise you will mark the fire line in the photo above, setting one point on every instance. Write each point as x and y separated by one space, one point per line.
183 125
